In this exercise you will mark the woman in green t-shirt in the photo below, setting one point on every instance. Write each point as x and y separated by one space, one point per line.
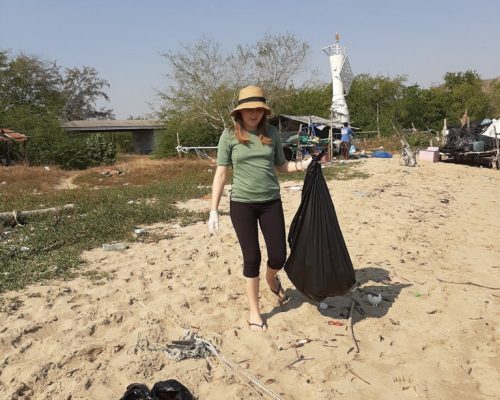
253 149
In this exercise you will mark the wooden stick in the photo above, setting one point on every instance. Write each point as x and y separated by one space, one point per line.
469 283
351 312
357 376
13 216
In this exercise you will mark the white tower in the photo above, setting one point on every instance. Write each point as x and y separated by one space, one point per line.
341 80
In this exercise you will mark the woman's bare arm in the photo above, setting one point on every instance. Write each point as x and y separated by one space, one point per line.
220 178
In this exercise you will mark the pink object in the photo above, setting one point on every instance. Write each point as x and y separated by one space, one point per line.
426 155
432 148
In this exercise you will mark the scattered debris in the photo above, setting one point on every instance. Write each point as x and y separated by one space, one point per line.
14 216
469 283
351 312
374 300
301 358
357 376
120 246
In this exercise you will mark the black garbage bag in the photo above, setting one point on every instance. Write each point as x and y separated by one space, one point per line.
171 390
319 265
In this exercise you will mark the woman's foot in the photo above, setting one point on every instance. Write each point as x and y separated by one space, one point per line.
256 324
275 286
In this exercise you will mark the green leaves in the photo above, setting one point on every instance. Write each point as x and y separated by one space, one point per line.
35 95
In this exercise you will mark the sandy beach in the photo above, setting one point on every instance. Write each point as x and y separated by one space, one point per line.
426 238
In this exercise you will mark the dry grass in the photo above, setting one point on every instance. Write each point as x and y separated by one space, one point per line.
140 171
23 179
49 246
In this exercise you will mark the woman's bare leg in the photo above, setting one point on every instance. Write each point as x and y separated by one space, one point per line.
273 283
255 319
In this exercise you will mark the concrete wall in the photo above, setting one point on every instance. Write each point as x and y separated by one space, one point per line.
143 141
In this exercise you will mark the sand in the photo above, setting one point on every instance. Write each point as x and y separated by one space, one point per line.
427 238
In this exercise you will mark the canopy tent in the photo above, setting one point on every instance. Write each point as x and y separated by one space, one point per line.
305 133
493 129
291 124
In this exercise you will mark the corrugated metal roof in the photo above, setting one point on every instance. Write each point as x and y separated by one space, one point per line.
7 135
111 125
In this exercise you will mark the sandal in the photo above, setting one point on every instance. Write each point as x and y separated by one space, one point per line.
277 291
261 326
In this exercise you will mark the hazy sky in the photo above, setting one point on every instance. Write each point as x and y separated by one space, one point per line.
124 39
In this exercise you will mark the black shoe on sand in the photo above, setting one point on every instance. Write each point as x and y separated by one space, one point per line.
137 391
170 390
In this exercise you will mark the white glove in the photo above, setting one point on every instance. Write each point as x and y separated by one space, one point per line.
213 222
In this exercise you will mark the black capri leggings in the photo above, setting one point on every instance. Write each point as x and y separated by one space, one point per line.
269 215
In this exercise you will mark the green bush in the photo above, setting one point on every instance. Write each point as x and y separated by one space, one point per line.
419 139
100 150
73 154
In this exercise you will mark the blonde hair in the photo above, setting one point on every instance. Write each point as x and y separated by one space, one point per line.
242 134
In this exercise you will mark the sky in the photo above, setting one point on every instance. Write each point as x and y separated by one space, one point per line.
124 39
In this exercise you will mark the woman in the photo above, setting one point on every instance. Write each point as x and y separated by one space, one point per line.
253 149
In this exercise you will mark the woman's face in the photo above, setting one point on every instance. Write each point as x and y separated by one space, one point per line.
251 117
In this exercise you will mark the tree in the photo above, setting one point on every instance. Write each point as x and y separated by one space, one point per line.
205 81
36 94
308 100
274 61
192 132
369 94
29 82
41 86
80 89
199 76
494 94
464 92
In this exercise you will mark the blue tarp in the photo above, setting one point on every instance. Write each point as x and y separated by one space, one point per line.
381 154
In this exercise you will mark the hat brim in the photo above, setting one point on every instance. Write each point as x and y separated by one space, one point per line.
252 104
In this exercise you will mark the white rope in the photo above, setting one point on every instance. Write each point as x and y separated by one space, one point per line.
238 373
207 345
200 150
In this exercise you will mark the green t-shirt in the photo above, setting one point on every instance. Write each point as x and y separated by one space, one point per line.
254 176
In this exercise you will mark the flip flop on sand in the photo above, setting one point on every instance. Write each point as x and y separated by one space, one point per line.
277 291
263 326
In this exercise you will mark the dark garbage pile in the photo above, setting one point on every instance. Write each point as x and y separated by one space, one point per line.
476 144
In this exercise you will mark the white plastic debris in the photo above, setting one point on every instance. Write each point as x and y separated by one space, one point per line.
374 300
115 246
140 231
323 306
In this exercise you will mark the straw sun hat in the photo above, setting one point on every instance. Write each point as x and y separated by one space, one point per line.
251 97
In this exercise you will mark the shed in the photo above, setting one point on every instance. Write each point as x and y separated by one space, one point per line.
7 138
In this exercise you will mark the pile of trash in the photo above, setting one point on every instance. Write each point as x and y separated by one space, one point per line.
478 136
